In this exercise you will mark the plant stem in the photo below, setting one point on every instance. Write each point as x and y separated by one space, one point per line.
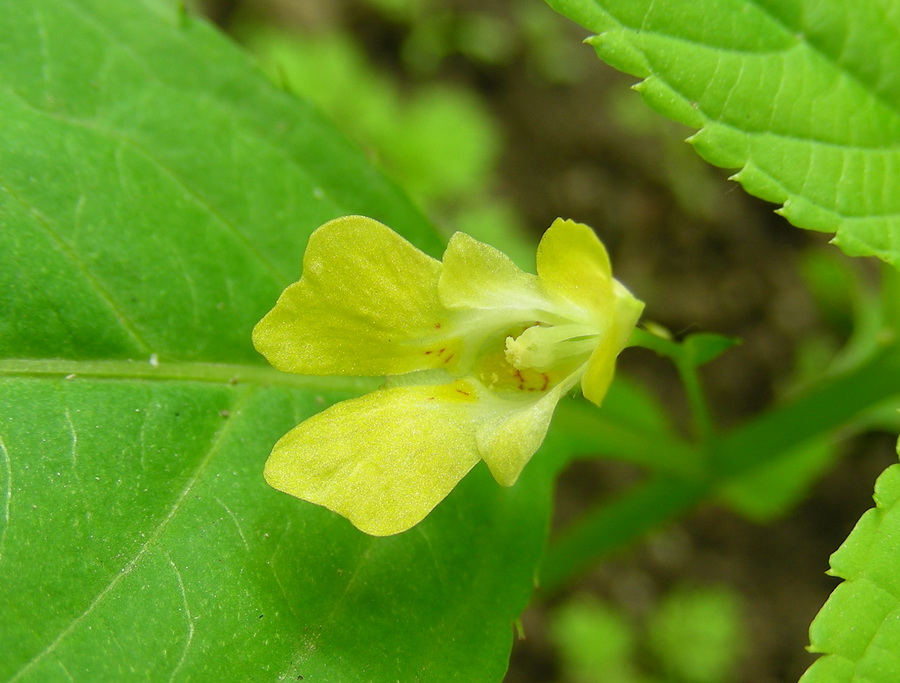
703 422
615 524
823 408
592 433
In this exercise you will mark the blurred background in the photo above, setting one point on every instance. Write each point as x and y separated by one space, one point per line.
497 119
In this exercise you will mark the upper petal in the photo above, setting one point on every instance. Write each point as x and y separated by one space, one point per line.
383 460
366 304
572 264
478 276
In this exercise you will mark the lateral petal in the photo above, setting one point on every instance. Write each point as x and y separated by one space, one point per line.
366 304
512 435
383 460
601 366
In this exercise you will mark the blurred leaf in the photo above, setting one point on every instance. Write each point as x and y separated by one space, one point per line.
438 141
595 642
631 404
694 636
156 194
770 490
803 96
833 284
697 635
859 627
548 44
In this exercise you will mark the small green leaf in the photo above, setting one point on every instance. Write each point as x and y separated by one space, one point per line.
858 628
704 347
692 351
803 96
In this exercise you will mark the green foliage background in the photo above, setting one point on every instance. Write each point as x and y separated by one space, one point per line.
156 194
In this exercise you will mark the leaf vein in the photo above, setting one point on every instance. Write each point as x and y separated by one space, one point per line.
188 616
236 523
7 498
326 621
838 65
115 41
128 142
215 445
99 288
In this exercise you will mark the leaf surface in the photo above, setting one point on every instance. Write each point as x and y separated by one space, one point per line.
156 194
802 96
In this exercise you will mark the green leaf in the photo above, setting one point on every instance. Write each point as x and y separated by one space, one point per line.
156 194
858 628
803 96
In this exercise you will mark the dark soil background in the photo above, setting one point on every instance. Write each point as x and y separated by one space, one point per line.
704 256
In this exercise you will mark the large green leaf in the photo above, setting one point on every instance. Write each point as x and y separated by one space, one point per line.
859 626
156 194
803 96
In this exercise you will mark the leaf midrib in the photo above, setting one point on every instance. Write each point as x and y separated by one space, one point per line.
178 371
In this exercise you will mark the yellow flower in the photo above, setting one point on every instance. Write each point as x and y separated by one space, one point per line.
476 351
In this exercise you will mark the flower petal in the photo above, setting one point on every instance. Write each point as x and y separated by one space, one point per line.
383 460
600 370
478 276
602 364
572 264
366 304
509 438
